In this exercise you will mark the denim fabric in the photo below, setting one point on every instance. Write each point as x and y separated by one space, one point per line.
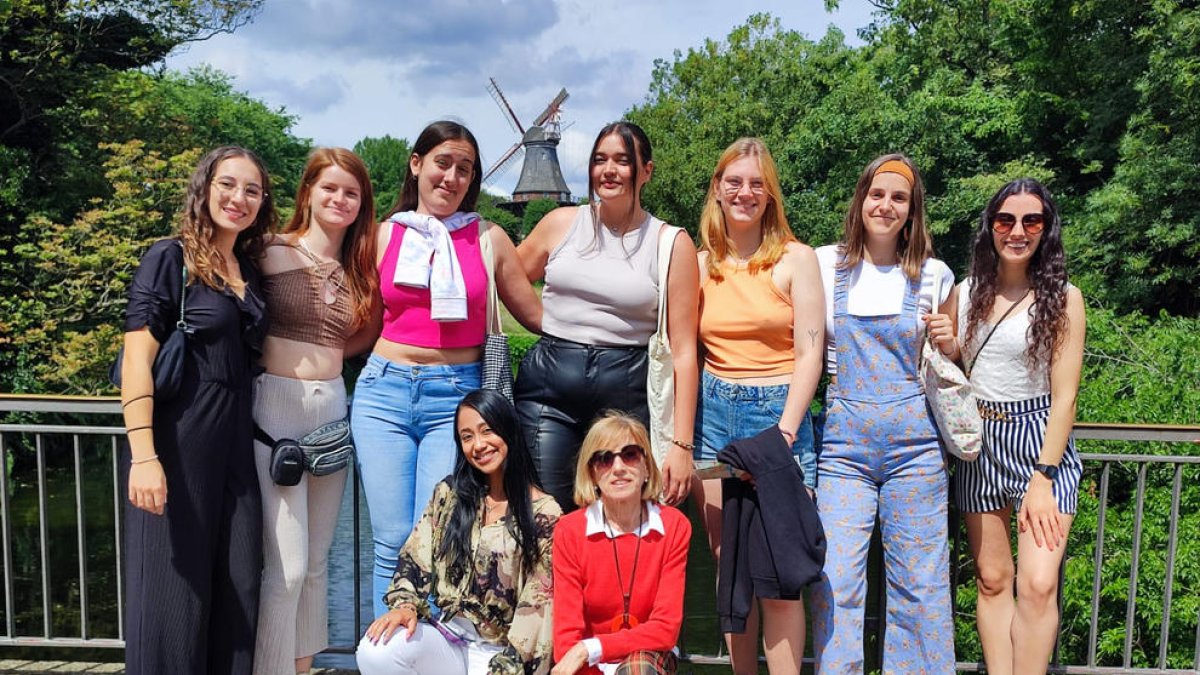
729 412
880 460
402 418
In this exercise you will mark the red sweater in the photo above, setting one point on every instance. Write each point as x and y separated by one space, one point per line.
587 597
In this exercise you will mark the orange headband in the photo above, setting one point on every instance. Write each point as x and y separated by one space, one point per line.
896 166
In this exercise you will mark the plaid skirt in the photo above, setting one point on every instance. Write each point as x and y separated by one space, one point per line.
647 663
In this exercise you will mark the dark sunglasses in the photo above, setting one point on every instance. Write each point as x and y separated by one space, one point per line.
603 459
1032 223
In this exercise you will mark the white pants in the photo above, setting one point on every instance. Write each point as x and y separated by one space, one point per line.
427 652
298 525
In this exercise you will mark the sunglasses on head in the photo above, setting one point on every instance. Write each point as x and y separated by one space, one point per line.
1032 223
604 459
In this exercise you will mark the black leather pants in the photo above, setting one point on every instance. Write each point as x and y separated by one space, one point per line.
561 387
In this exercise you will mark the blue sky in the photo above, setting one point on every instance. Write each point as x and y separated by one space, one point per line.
354 68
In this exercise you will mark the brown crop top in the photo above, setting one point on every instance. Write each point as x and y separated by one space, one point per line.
296 303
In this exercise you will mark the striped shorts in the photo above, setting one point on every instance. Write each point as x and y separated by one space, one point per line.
1013 435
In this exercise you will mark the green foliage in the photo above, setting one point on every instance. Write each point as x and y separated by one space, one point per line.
1098 96
387 160
534 212
489 209
65 322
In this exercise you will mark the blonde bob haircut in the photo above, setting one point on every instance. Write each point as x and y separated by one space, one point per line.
776 233
613 430
914 246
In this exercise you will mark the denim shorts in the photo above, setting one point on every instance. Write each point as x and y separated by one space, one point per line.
729 411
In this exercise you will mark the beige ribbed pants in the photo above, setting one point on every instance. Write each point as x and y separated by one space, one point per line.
298 525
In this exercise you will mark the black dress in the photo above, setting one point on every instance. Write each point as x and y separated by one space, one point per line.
192 574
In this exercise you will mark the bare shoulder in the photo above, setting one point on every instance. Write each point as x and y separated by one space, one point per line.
551 229
797 255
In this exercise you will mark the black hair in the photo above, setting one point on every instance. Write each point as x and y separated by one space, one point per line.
637 147
470 485
432 136
1047 273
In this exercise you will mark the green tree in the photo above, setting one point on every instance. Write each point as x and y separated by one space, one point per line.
387 160
534 211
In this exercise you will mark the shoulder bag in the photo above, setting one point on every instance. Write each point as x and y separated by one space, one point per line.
950 394
660 379
168 363
497 356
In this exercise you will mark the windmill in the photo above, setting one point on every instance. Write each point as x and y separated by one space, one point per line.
541 176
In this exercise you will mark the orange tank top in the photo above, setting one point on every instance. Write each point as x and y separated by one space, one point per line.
745 325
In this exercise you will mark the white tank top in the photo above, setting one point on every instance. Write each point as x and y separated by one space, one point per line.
1000 371
602 288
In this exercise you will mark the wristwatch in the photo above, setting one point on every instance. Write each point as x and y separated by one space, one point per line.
1048 470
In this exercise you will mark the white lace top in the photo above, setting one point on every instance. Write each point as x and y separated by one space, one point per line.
1001 372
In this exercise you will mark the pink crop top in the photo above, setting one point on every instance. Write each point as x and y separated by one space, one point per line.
406 309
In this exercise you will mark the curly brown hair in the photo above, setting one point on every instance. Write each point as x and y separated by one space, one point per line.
196 228
357 254
1047 274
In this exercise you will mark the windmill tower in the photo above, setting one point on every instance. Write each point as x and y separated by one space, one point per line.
541 176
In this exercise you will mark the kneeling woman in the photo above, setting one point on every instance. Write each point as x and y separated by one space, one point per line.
620 562
1025 370
481 553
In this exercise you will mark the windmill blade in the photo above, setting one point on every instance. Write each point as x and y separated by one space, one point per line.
498 97
505 163
552 108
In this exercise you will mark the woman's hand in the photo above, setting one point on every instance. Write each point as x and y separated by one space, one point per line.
571 662
1039 513
677 472
404 616
148 486
941 332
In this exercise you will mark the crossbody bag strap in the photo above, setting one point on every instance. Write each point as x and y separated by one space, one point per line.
664 266
182 323
488 253
995 326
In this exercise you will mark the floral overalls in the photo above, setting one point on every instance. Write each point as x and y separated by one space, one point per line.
880 453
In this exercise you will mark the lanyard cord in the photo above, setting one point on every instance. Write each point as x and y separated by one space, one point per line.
637 552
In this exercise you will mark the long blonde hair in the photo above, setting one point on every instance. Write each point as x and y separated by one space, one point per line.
196 228
776 234
914 246
357 253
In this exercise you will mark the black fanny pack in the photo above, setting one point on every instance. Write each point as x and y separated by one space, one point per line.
325 450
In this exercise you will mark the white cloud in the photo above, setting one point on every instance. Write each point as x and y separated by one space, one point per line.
356 68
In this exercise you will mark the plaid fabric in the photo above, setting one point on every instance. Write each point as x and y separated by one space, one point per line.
497 365
648 663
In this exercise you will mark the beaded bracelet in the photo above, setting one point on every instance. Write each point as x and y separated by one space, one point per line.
685 446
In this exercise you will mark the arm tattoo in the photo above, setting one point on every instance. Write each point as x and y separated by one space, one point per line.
812 336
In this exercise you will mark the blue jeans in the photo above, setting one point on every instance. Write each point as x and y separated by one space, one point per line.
402 418
729 411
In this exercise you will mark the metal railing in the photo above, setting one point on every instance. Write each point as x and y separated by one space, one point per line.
27 451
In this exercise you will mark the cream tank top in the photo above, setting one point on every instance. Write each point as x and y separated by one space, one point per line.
602 288
1001 372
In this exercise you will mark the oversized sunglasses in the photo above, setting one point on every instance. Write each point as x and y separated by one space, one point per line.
603 459
1032 223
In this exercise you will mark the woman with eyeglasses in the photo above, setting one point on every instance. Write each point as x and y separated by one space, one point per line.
433 286
762 335
481 555
193 524
319 283
880 458
1018 326
620 561
600 265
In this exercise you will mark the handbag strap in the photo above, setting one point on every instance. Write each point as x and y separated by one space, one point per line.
182 323
488 253
969 366
664 266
